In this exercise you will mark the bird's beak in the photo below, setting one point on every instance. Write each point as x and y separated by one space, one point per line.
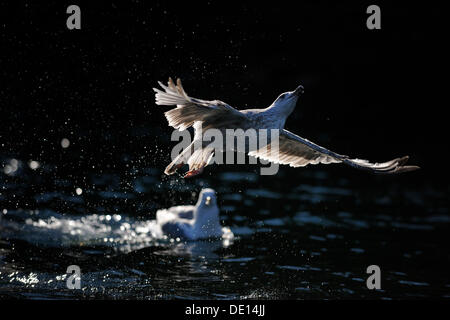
299 90
208 201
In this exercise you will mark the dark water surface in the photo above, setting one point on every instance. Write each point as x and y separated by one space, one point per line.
306 238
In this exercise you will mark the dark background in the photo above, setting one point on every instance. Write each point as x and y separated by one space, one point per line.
373 94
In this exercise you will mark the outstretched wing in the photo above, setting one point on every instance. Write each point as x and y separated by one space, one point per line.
299 152
190 110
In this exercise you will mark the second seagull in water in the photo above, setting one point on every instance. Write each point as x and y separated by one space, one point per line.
194 222
292 149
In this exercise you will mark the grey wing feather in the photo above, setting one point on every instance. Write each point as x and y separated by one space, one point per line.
296 152
299 152
173 229
190 110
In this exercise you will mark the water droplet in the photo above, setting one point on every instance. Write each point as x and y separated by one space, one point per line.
65 143
34 164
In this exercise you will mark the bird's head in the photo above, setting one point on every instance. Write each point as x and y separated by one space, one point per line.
207 198
286 101
207 211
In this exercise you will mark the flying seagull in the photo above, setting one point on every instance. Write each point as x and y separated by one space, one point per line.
292 149
194 222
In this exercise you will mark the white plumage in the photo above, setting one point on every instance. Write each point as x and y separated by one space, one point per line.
194 222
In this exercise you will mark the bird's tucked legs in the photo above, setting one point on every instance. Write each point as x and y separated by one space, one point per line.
193 173
198 161
198 169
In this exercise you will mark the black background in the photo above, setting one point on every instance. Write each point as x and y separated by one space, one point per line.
373 94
